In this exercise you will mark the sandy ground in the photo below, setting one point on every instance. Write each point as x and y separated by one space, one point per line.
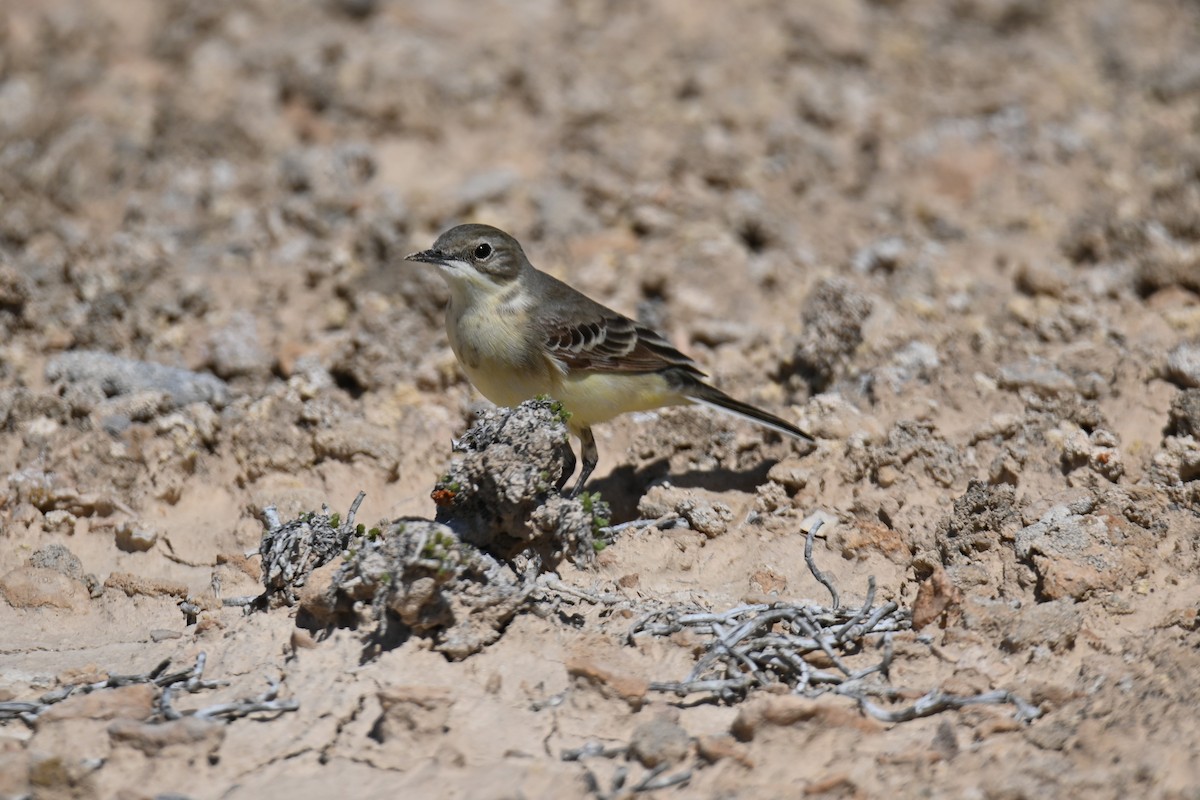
958 241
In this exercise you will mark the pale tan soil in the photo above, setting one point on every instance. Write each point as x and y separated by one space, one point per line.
959 241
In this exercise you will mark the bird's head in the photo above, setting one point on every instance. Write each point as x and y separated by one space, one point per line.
475 256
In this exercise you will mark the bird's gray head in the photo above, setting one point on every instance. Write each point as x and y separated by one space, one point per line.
474 252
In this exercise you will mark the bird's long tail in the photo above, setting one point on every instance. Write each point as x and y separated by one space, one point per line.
705 395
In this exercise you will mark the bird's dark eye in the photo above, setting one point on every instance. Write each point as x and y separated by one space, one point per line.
483 251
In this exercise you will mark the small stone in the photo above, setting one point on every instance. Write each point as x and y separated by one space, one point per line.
609 682
35 587
936 595
768 582
59 559
1183 365
1037 375
316 598
60 520
117 376
235 349
133 539
710 518
153 737
764 711
123 702
1054 624
887 475
715 748
792 473
659 741
1051 280
1184 419
150 587
413 710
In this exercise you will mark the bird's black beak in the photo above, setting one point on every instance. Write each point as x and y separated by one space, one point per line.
429 257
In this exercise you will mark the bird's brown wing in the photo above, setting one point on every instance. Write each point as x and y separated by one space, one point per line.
610 342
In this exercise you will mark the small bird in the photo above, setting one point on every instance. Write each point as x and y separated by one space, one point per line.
519 333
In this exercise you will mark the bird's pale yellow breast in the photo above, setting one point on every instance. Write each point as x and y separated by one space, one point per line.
489 334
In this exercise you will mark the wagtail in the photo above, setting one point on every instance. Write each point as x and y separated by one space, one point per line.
520 333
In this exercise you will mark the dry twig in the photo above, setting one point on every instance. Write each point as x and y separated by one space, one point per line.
189 680
810 648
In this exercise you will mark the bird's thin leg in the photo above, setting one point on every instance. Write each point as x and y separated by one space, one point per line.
567 470
590 456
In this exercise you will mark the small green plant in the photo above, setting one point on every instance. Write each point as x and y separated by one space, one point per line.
373 534
556 408
598 509
438 547
335 521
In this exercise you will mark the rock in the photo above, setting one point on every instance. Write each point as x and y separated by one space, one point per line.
133 585
1097 450
316 597
123 702
870 535
1076 554
1051 280
831 416
418 578
235 349
768 582
763 711
151 738
608 682
59 559
131 538
117 376
1184 419
1178 462
792 473
413 711
15 289
710 518
499 493
1036 375
914 361
357 9
1054 624
714 748
983 516
36 587
1183 365
660 740
833 329
911 447
936 596
886 255
703 514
